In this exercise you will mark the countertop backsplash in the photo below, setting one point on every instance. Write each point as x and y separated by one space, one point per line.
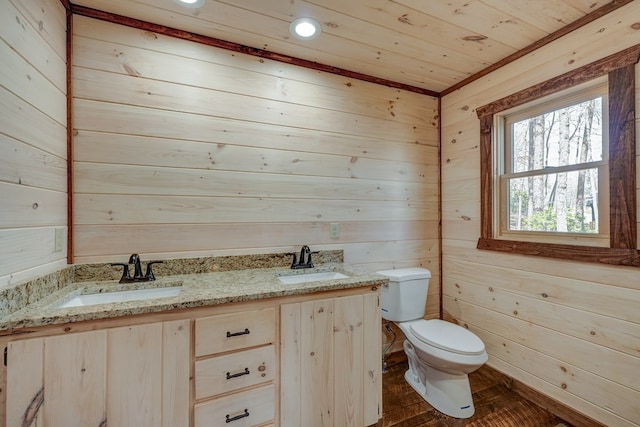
19 296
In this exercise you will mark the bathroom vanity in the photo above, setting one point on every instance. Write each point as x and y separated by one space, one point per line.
236 348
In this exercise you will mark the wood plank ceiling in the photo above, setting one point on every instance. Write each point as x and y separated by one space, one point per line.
430 44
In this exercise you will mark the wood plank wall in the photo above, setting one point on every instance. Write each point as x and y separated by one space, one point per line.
567 329
184 150
33 165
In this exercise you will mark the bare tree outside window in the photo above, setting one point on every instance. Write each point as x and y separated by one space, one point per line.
552 171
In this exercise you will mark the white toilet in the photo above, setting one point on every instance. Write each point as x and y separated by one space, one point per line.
440 354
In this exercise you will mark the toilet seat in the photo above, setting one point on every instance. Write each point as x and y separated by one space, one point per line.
447 336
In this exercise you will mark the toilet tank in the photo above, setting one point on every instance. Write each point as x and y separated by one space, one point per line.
405 297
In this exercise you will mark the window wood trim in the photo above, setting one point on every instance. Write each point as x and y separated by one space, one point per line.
620 68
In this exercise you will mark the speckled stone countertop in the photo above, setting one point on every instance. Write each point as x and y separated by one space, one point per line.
197 290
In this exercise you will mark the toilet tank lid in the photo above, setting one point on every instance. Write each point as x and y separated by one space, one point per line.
403 274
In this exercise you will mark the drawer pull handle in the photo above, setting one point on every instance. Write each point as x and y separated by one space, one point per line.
239 374
237 417
237 334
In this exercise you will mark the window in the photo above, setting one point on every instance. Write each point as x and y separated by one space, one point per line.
553 168
558 166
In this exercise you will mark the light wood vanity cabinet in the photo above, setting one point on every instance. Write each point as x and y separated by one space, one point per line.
124 376
235 369
305 360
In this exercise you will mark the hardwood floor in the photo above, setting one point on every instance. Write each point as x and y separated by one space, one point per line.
496 405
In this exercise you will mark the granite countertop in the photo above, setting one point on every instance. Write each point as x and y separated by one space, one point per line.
197 290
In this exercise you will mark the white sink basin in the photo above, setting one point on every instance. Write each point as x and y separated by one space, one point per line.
293 279
120 296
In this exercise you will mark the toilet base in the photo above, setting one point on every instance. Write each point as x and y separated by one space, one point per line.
448 393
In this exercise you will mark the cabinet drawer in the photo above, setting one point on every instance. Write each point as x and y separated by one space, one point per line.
234 371
235 331
246 409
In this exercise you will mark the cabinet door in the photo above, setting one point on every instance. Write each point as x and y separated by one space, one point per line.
133 363
148 375
57 381
348 338
358 365
127 376
25 391
306 364
330 362
316 365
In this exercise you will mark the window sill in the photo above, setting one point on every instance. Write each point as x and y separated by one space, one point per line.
557 238
610 256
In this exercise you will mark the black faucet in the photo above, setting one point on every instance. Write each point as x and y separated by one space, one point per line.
305 252
137 270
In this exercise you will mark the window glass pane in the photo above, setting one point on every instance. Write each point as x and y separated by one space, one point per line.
567 136
557 202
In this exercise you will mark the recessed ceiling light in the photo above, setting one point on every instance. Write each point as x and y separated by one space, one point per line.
305 28
190 3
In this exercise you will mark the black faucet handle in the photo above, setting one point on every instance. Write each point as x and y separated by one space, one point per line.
149 274
294 262
309 261
126 277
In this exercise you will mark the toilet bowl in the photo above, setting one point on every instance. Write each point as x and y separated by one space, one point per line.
440 354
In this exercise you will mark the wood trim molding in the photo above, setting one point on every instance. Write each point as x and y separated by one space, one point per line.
441 272
486 177
622 250
612 256
622 157
69 82
248 50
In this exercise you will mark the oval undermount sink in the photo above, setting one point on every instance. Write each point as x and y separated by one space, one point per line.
118 296
293 279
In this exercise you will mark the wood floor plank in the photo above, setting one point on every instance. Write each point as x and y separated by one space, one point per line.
496 405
